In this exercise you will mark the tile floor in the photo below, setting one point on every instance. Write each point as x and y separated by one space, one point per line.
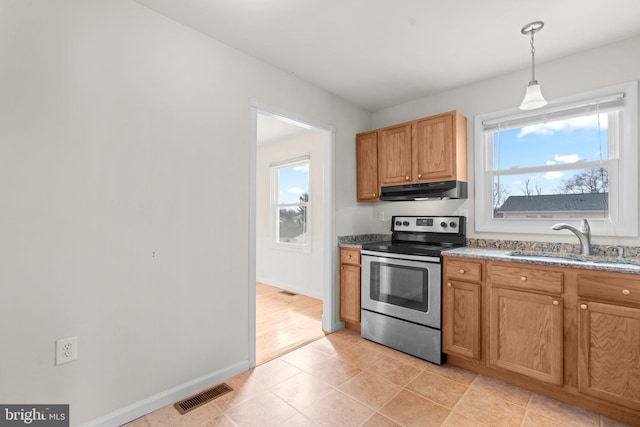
344 380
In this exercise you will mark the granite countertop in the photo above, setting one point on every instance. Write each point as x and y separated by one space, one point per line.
356 241
604 258
600 262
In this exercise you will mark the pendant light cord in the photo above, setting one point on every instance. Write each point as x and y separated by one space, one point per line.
499 189
533 59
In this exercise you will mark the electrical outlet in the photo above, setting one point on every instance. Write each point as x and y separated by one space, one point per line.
381 216
66 350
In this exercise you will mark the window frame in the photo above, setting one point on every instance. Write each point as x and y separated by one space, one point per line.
276 206
622 220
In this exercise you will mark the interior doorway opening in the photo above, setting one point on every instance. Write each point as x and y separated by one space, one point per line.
285 321
291 282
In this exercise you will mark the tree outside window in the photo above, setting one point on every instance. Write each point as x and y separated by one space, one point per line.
290 195
541 170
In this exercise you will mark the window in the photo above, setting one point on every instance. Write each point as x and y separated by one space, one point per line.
290 202
576 158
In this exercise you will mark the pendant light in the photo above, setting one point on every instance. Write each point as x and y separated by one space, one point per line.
533 97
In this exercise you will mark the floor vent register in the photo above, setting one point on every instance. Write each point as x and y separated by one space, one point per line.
199 399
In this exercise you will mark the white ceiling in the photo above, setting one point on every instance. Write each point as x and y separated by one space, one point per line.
380 53
272 128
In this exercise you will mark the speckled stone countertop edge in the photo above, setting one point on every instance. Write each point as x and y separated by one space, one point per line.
357 240
610 251
623 265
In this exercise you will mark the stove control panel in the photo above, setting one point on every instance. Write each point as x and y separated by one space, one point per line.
428 224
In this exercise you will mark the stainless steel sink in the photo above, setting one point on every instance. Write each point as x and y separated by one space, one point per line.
594 260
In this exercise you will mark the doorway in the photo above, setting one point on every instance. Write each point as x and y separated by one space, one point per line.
291 266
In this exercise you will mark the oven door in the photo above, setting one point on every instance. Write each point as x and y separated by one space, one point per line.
407 287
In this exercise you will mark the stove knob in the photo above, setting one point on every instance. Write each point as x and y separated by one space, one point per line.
398 223
406 223
452 224
443 224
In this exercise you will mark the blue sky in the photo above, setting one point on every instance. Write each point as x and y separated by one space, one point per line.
293 182
555 143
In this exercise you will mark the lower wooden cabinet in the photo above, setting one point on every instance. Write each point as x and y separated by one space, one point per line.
350 286
526 334
462 307
570 334
461 320
526 320
609 337
609 352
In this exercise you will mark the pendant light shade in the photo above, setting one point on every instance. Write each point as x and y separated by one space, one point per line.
533 96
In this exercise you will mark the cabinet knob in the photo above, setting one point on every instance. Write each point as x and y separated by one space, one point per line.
556 303
523 278
419 175
461 271
583 306
349 256
449 284
626 292
374 194
406 178
341 268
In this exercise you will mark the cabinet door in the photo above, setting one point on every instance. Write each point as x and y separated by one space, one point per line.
526 334
350 292
367 166
434 149
394 155
609 352
461 319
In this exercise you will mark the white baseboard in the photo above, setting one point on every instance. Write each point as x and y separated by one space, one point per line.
327 326
150 404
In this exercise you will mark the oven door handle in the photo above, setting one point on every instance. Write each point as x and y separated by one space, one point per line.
422 258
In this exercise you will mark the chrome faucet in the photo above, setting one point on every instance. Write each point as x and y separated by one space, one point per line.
584 235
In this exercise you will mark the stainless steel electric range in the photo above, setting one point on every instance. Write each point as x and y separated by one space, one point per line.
402 284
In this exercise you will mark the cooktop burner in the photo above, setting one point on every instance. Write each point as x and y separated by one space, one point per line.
408 248
422 235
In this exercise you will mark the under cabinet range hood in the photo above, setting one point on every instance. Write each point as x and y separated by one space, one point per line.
425 191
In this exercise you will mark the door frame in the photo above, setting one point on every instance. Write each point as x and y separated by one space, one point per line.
330 316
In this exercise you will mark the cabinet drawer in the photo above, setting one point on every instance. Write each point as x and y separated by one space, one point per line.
460 269
533 279
350 256
609 288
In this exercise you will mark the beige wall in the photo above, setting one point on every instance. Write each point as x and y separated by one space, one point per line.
124 159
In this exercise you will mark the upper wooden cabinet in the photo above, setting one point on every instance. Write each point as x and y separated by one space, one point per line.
440 148
367 165
425 150
394 155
